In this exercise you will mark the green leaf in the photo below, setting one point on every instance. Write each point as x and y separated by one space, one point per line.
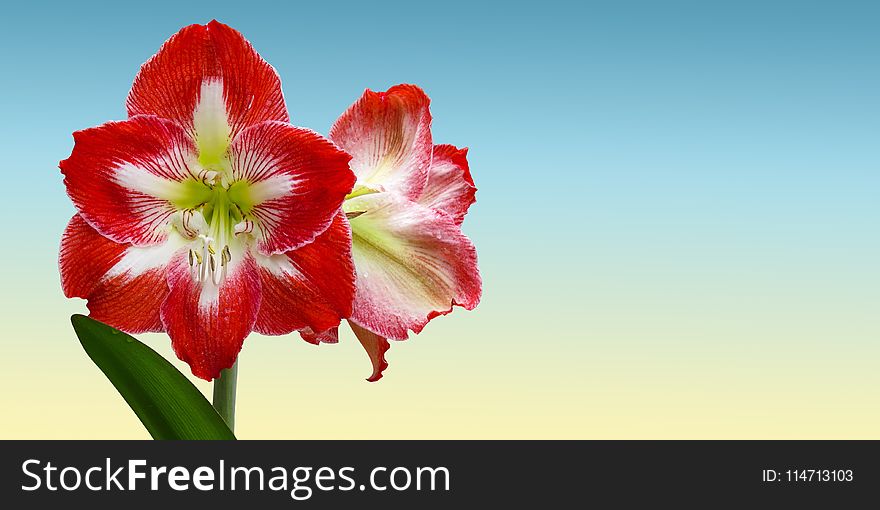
166 402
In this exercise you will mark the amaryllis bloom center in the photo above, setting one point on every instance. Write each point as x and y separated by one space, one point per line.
217 205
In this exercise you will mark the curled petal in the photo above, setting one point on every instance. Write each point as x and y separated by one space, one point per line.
450 187
330 336
311 287
128 178
124 284
208 323
413 263
172 82
290 181
376 347
388 135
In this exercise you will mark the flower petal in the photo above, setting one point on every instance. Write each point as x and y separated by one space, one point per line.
130 302
125 177
207 323
124 284
294 181
388 135
330 336
311 287
376 347
413 264
85 258
171 83
450 187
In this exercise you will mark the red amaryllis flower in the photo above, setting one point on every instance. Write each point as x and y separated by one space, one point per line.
412 261
199 214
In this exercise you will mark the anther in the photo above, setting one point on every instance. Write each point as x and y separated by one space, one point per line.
209 177
243 227
217 276
188 224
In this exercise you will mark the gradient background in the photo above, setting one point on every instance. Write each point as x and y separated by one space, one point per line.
677 217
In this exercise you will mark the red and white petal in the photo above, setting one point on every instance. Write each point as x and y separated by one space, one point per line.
131 302
291 182
124 177
171 83
376 347
311 287
413 263
388 135
450 187
208 323
85 258
330 336
124 284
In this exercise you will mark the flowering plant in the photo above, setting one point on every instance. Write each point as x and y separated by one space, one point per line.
207 215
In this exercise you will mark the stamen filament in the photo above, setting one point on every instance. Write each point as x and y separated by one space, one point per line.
213 224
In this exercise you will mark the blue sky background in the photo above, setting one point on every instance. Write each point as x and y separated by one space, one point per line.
677 216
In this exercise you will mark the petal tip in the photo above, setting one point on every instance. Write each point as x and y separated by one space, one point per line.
382 363
376 346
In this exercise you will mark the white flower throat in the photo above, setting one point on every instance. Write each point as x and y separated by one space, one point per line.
215 227
213 208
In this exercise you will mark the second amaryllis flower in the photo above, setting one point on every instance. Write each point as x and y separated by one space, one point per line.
199 214
412 260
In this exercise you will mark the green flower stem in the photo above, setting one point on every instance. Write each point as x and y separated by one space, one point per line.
224 395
